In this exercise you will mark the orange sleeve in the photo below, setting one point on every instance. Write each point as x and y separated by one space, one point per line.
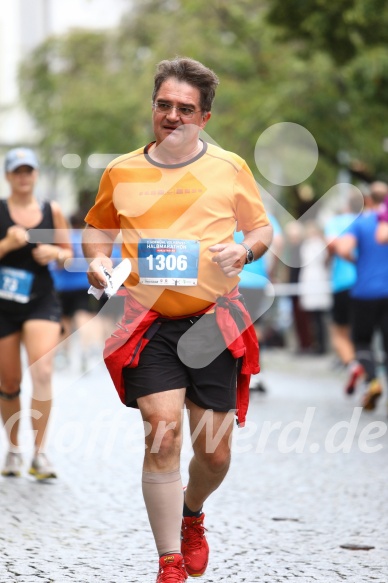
250 212
103 215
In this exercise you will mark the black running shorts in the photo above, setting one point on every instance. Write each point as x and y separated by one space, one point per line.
198 360
73 301
13 315
341 310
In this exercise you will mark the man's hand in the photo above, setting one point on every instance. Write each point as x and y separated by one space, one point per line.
95 272
97 248
230 257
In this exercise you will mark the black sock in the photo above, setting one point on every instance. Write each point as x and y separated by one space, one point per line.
187 512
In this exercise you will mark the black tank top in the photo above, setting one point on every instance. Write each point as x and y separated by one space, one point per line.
22 258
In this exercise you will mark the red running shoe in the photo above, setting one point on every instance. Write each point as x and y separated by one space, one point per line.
356 373
171 569
195 549
372 395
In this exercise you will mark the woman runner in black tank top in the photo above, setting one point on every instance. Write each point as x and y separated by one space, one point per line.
29 308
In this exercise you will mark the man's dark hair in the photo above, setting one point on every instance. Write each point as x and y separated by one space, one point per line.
189 71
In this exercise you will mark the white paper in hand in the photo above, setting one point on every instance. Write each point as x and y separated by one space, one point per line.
114 280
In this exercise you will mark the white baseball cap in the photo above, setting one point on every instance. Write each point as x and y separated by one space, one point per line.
20 157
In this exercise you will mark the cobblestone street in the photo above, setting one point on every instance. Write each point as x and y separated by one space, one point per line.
309 474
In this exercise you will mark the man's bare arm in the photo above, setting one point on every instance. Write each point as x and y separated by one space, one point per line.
259 240
231 257
382 232
97 247
345 247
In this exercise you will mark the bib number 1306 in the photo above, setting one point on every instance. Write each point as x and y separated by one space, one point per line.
168 262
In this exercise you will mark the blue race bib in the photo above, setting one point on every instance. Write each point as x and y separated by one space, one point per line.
168 262
15 284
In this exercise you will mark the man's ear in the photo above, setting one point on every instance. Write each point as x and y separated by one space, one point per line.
205 118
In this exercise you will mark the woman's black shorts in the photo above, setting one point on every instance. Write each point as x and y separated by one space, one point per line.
13 315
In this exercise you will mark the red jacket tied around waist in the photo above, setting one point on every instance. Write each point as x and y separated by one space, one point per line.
124 347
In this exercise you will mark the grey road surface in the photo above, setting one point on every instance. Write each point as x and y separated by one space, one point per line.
308 478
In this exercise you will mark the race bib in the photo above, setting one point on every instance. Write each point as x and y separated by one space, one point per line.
168 261
15 284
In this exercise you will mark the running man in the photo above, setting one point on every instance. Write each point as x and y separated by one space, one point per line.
369 309
186 337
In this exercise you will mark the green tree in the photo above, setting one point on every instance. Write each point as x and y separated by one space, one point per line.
75 89
91 92
343 29
354 35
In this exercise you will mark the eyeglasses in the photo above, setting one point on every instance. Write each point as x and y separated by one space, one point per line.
162 107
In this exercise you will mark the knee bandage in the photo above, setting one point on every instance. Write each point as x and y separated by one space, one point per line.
9 396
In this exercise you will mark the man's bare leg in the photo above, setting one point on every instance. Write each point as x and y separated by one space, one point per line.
161 481
211 434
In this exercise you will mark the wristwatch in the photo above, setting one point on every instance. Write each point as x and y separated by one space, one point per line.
250 257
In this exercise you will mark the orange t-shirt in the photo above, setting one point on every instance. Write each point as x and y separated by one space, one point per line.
204 200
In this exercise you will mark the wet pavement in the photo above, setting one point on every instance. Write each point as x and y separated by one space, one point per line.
308 477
